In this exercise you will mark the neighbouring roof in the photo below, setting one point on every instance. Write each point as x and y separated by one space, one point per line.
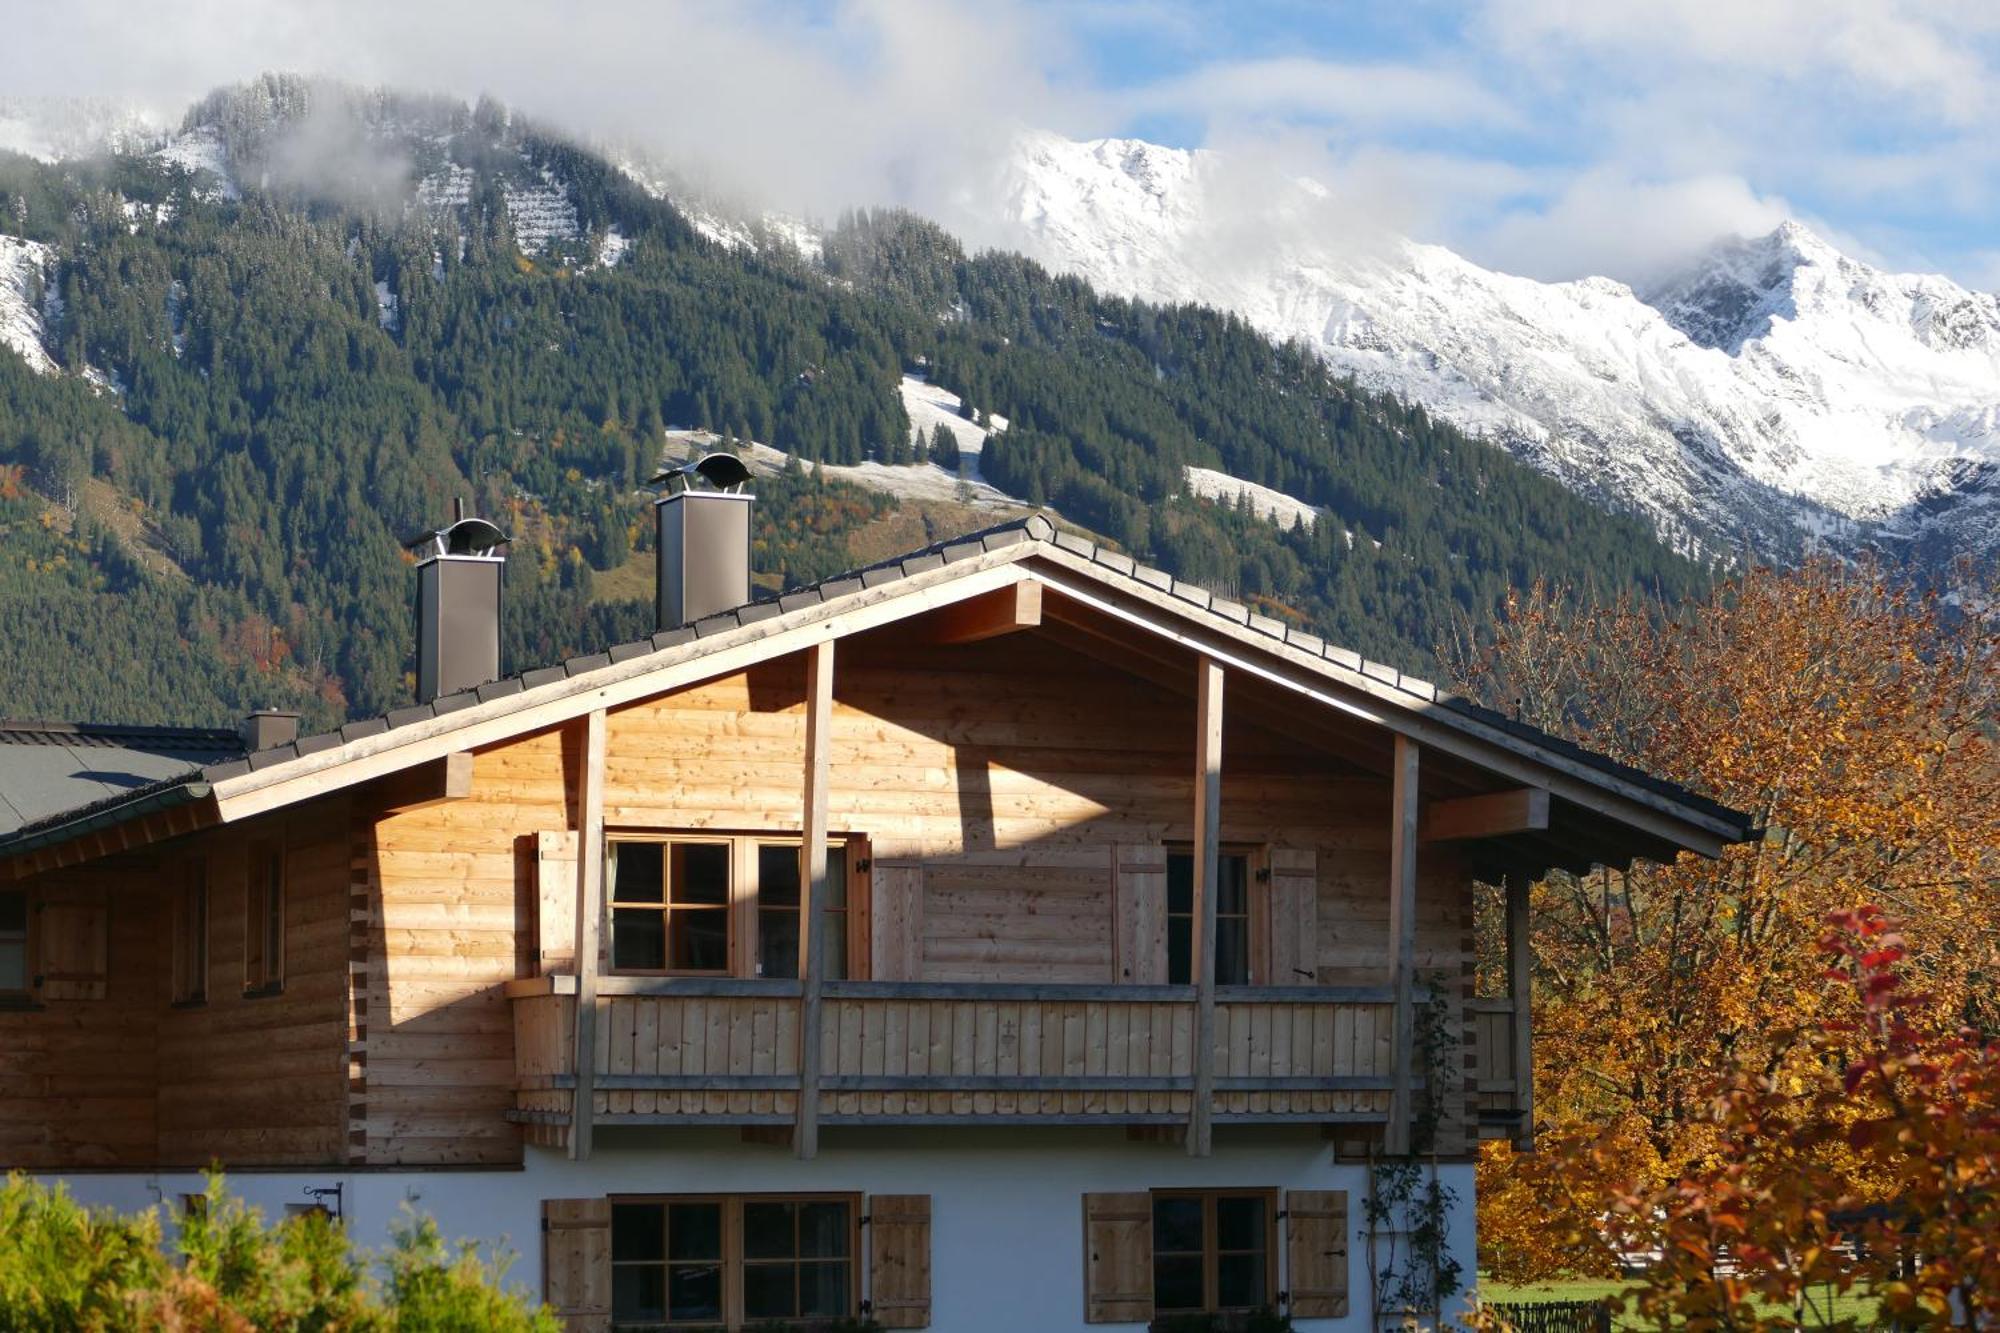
1032 533
56 769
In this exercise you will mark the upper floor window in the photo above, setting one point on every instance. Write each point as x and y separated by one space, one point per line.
1212 1250
264 920
13 942
721 906
190 939
1232 918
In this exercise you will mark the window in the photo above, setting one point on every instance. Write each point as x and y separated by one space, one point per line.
264 921
721 906
191 935
1232 918
732 1259
1212 1250
13 942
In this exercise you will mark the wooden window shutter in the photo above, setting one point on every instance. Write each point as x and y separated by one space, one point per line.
72 952
899 1260
1117 1257
1294 917
860 910
1316 1253
1140 904
896 922
555 894
576 1262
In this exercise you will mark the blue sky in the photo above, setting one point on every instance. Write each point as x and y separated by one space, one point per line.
1556 138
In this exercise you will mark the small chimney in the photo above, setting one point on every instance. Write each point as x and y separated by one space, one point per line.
704 529
459 569
268 727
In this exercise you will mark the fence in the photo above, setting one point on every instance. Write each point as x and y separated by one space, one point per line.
1554 1316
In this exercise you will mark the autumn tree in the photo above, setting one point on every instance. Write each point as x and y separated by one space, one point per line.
1852 715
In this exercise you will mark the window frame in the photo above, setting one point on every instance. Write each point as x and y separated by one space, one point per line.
265 881
1256 915
734 1265
191 906
17 996
1211 1250
744 913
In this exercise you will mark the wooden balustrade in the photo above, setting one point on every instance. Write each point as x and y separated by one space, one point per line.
1494 1089
678 1051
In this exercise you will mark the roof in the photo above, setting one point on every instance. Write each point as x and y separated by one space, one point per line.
1033 536
56 769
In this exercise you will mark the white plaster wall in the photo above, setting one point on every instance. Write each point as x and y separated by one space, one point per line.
1006 1205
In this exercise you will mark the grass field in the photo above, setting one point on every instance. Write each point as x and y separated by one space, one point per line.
1859 1308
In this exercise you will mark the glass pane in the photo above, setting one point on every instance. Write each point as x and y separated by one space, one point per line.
694 1231
694 1291
823 1231
1176 1224
1232 885
777 875
769 1291
823 1288
836 876
1180 950
13 912
1180 882
635 873
1177 1282
638 1231
638 939
13 965
768 1230
1232 951
778 943
700 939
701 872
639 1293
1239 1224
1239 1281
833 964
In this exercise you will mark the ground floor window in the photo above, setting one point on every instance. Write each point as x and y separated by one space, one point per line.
1212 1250
732 1259
13 942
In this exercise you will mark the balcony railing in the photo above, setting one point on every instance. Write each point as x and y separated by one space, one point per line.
676 1051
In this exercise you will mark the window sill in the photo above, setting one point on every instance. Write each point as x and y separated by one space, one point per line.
265 991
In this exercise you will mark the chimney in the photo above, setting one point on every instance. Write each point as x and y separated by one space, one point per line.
458 604
268 727
704 529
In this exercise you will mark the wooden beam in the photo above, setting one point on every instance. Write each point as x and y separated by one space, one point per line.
1521 810
1519 973
812 960
440 780
1402 940
1003 612
589 913
1207 861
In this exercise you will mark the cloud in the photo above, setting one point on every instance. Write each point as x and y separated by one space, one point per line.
1294 89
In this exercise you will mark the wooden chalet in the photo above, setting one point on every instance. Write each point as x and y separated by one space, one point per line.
1005 936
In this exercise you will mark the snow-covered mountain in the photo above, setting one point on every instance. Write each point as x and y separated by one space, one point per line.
1779 393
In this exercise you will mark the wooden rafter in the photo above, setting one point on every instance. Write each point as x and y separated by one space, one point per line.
1520 810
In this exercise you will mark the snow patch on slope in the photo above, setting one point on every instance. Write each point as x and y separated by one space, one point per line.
23 264
541 214
1272 506
1779 392
929 407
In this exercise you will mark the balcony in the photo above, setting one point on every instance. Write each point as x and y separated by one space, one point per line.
678 1051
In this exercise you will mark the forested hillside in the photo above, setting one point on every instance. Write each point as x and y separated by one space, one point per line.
266 380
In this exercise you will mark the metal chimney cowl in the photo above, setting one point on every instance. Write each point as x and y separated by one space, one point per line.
704 541
459 574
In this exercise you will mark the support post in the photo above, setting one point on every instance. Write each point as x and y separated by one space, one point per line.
1519 963
1207 825
589 913
812 958
1402 940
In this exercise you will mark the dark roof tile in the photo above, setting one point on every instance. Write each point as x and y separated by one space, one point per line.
275 754
1116 561
229 768
499 689
673 638
367 726
1192 592
325 740
757 611
1070 541
923 564
625 652
540 676
1228 610
1154 578
403 717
